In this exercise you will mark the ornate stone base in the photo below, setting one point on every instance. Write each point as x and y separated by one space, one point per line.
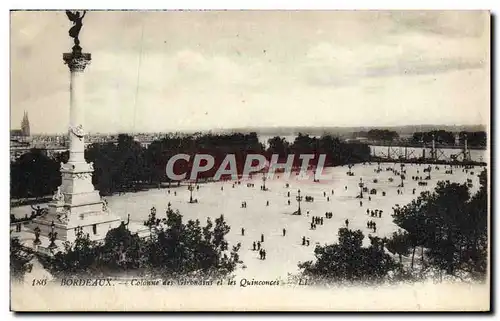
27 236
95 224
77 205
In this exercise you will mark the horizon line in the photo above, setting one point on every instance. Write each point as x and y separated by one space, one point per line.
257 128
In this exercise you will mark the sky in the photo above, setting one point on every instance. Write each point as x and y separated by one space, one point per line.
201 70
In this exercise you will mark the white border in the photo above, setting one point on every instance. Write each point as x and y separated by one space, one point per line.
214 4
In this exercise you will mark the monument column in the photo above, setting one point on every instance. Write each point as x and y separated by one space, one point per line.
76 61
77 173
77 206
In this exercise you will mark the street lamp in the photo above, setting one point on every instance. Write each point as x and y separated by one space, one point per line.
361 185
191 189
52 236
402 175
299 199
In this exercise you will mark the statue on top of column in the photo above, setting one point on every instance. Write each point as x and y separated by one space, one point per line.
74 31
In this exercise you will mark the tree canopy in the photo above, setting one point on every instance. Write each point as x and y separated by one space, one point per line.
449 226
174 249
349 261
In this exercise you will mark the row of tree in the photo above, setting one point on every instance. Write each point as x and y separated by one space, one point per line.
126 165
384 135
337 152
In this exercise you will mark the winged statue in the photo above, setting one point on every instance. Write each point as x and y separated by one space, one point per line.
76 18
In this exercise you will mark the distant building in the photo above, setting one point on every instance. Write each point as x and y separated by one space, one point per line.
21 135
16 134
25 125
20 139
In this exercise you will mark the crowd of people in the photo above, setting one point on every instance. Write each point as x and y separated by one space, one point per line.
316 221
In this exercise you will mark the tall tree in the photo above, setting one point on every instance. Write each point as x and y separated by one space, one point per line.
450 225
399 244
34 174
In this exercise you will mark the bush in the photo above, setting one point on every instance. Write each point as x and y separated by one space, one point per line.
174 249
349 261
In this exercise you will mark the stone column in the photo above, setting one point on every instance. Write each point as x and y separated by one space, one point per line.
77 173
76 206
76 62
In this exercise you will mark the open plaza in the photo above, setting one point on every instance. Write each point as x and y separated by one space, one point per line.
272 213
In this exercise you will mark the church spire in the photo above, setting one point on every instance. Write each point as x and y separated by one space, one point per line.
25 124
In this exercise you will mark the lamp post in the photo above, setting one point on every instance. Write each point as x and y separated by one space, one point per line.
361 185
299 199
433 149
191 189
402 175
52 236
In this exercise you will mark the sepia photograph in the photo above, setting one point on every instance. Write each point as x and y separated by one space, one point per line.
250 160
